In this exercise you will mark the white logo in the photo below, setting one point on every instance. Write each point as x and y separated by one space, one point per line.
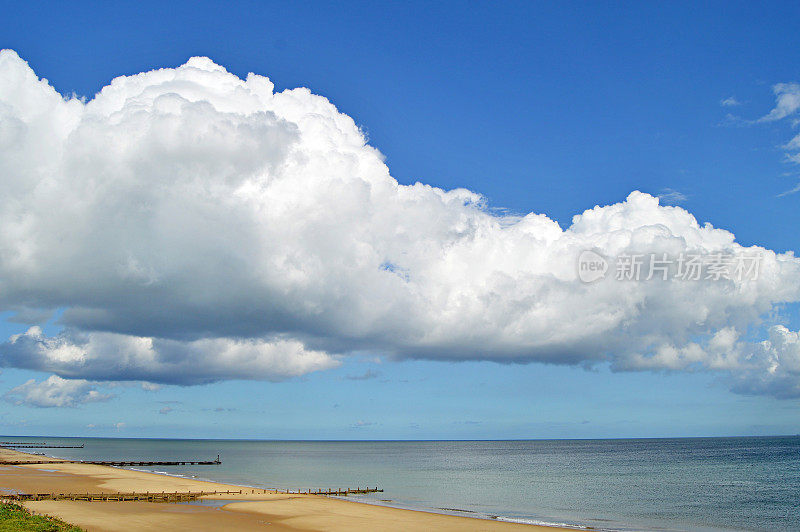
591 266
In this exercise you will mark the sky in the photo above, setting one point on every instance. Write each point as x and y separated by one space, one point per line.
367 220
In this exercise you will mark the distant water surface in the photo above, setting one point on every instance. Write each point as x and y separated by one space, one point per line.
695 484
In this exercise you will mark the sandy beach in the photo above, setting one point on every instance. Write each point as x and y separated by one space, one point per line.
249 511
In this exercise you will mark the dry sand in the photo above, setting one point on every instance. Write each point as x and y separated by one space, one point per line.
248 511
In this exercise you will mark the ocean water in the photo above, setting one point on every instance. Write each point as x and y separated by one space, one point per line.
694 484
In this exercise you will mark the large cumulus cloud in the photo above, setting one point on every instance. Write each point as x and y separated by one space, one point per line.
186 218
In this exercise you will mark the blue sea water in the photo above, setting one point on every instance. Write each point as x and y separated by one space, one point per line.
695 484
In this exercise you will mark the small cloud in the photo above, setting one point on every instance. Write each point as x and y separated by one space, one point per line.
56 392
730 101
789 192
792 150
362 424
369 374
166 410
223 409
95 426
787 105
670 196
731 120
787 102
150 386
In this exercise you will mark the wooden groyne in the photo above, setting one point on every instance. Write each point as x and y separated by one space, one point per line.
116 463
312 491
342 492
36 446
177 496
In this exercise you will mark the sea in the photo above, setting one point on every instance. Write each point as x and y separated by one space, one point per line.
691 484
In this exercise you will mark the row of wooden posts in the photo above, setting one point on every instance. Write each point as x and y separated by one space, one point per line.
116 463
310 491
12 445
177 496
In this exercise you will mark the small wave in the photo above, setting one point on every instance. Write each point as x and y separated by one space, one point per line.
537 522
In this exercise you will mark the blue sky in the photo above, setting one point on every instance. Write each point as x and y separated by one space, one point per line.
546 108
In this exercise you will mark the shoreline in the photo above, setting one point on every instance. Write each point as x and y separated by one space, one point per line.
248 511
390 503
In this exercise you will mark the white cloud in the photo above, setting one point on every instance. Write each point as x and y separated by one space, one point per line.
787 105
196 227
670 196
792 149
56 392
772 366
111 356
791 191
787 102
729 102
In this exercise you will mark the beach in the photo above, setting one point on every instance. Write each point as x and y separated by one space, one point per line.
253 509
